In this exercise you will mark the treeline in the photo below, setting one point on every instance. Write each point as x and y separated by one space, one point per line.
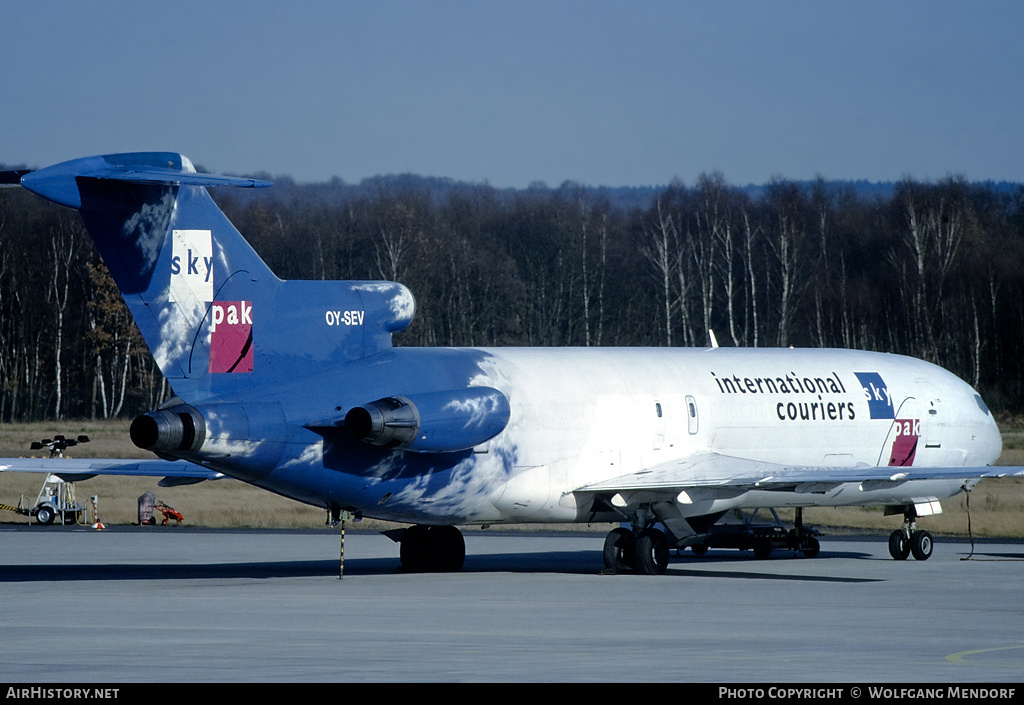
925 269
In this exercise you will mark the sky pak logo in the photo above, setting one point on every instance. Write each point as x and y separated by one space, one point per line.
231 336
191 289
904 445
877 394
191 267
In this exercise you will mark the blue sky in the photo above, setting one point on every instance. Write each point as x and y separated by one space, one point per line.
604 93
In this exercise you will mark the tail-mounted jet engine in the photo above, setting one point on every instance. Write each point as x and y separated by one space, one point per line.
174 429
244 438
438 422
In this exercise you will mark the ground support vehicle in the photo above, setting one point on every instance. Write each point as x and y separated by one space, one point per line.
762 539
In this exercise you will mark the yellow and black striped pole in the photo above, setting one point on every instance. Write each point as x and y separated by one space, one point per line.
341 561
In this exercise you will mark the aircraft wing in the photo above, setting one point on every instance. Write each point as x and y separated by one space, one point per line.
178 472
712 470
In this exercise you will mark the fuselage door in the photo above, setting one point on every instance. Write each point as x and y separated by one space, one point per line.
692 420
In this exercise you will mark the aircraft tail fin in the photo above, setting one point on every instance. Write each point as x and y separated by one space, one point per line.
213 314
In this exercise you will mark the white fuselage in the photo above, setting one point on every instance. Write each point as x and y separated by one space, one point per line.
582 416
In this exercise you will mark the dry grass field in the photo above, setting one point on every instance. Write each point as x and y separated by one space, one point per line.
221 503
996 506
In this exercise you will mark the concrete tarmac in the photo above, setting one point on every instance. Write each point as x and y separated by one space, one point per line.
177 604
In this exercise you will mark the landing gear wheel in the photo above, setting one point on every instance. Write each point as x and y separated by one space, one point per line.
811 547
447 549
899 547
699 549
652 552
432 548
921 545
413 549
619 551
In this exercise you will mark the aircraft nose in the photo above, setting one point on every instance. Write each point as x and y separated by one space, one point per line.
989 442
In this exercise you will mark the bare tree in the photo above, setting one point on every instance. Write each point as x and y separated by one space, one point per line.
661 250
63 247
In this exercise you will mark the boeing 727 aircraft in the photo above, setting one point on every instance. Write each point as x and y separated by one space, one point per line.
294 386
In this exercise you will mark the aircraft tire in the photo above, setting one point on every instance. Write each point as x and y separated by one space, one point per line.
432 548
899 547
921 545
619 550
447 549
811 547
413 549
652 552
762 548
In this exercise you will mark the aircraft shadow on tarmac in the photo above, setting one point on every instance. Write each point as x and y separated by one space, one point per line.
167 571
565 562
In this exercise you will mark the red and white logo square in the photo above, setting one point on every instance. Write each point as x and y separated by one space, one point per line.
231 348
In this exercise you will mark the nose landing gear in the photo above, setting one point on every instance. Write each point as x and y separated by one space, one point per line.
908 540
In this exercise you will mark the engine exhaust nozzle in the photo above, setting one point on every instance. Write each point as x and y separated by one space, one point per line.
178 428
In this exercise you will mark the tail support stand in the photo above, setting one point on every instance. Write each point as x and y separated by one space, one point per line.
340 518
970 534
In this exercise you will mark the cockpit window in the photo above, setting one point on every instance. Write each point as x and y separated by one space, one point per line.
981 404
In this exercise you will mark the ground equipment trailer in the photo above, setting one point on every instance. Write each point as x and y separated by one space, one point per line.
762 539
56 501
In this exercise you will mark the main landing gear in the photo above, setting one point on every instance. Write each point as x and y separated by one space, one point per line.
645 552
432 549
908 540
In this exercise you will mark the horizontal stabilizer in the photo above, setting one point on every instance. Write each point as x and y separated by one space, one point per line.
180 178
60 183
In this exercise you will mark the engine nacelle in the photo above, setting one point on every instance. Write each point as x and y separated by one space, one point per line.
171 430
438 422
243 440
